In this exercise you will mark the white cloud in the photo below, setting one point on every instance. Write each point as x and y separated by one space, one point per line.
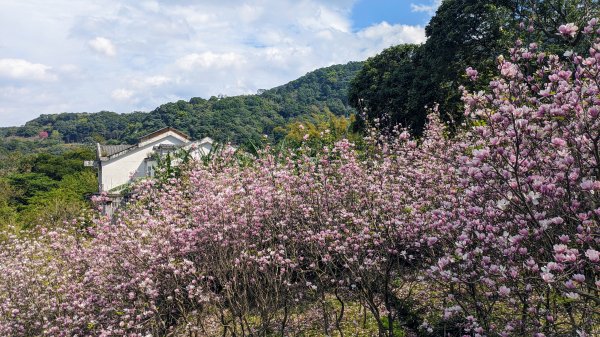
103 45
172 49
394 34
426 8
249 13
152 6
155 81
326 18
122 94
24 70
210 60
69 68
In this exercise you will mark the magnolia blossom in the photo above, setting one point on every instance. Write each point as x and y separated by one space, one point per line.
509 70
569 30
548 277
593 255
472 73
503 291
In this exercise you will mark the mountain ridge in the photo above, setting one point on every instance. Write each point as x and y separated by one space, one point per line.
239 119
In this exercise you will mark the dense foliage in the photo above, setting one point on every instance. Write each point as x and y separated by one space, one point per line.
493 232
45 189
13 149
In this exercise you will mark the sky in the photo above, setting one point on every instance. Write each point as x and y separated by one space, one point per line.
134 55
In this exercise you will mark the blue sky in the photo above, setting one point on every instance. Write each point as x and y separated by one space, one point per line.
369 12
133 55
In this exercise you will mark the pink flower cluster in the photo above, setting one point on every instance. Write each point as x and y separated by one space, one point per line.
569 30
527 228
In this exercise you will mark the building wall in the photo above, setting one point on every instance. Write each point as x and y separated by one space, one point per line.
202 149
122 169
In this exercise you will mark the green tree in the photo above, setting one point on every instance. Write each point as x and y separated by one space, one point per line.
47 188
397 85
58 166
8 213
381 88
320 130
27 185
65 202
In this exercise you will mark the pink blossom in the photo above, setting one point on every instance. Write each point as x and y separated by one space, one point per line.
560 249
509 70
503 291
472 73
593 255
548 277
569 30
579 278
559 142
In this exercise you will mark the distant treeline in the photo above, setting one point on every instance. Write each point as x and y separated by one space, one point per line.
237 119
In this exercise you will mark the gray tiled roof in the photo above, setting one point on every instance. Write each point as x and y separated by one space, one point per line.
164 130
109 150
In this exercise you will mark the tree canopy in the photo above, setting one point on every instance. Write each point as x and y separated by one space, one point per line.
402 82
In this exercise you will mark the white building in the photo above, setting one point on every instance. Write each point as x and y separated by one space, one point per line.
120 165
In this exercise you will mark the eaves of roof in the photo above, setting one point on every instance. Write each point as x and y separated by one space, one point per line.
106 152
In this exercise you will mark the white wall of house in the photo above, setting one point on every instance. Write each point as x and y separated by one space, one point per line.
202 149
122 169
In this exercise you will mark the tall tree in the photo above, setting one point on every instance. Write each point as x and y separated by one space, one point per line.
381 88
462 34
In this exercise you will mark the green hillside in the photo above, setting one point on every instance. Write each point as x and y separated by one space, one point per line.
238 119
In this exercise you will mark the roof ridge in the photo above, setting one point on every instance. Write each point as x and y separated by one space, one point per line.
163 130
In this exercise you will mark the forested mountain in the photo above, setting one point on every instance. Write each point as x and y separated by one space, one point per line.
238 119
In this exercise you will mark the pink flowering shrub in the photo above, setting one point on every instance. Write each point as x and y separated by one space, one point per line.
242 241
493 232
521 243
39 285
